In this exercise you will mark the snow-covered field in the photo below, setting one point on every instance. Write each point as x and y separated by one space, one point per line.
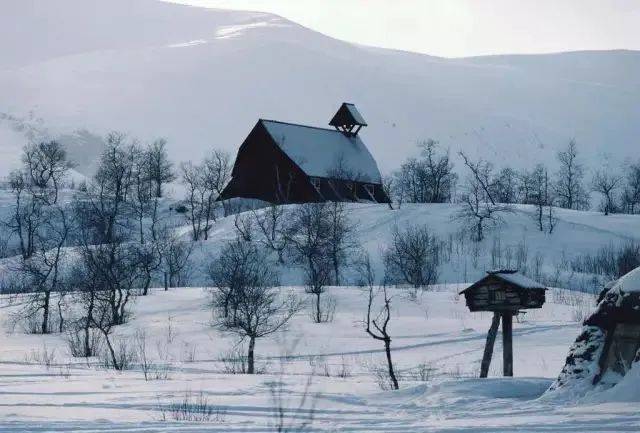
333 362
437 346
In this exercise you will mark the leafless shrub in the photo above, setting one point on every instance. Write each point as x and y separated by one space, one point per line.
192 408
124 355
323 311
611 261
76 343
380 374
412 257
43 356
344 368
189 352
234 361
320 366
423 372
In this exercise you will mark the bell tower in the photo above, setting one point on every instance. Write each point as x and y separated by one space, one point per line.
348 120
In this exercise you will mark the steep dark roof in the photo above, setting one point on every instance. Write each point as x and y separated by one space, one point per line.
347 114
322 152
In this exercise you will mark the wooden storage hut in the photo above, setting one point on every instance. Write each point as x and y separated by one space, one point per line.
505 292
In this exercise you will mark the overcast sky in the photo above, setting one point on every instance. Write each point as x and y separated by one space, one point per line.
455 28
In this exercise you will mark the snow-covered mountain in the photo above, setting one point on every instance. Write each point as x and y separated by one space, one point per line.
202 77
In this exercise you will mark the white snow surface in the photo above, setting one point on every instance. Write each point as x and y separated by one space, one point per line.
436 331
325 152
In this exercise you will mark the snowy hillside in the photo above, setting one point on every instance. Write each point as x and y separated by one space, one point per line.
201 78
516 243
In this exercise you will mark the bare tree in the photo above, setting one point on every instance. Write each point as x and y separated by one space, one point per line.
341 239
243 224
542 198
428 179
160 169
412 257
46 165
272 225
308 235
218 173
479 205
505 186
391 188
230 272
377 324
196 198
175 257
26 218
142 200
607 184
41 276
570 179
317 278
257 309
105 208
631 194
201 182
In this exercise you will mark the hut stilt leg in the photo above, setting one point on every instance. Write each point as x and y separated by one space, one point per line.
507 343
488 348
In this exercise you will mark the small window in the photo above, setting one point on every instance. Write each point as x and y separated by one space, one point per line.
499 296
316 183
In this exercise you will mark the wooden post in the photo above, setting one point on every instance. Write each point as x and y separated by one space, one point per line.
488 348
507 343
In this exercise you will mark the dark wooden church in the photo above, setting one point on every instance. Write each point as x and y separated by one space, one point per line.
283 162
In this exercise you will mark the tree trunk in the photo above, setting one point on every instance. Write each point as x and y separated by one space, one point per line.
45 312
507 343
147 283
392 374
250 357
488 348
141 231
318 307
112 352
166 282
60 316
87 328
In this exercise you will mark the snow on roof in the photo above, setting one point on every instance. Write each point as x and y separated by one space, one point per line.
518 279
355 113
629 282
324 152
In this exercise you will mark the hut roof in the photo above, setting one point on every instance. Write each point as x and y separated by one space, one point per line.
322 152
509 276
621 303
